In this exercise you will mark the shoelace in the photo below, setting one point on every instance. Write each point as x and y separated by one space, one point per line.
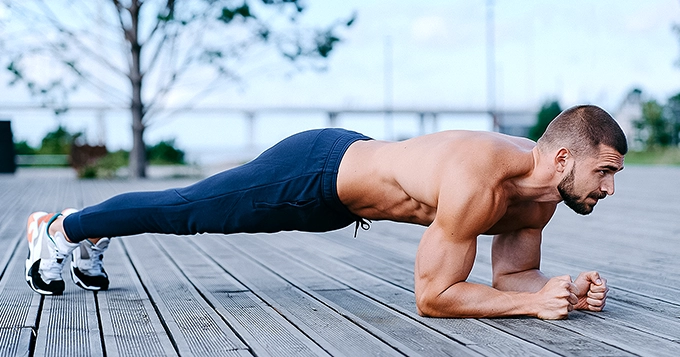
54 268
96 259
53 272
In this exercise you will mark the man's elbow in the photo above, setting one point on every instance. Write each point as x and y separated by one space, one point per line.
428 305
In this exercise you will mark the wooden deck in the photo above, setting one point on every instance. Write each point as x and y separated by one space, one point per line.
300 294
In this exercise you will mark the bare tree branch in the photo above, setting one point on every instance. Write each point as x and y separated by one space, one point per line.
76 39
160 21
126 32
193 101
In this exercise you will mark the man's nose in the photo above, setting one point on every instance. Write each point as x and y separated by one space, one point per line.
608 186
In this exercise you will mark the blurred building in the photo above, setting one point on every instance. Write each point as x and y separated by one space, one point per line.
629 112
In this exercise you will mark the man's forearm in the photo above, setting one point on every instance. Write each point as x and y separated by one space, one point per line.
531 281
475 300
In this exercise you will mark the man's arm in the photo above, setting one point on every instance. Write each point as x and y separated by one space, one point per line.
516 259
446 255
443 264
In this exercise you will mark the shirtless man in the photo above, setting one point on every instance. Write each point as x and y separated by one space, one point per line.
458 183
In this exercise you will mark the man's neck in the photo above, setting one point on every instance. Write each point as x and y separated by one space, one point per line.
539 184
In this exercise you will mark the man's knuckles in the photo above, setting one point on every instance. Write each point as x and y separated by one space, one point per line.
595 302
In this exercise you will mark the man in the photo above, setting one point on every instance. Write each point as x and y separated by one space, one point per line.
460 184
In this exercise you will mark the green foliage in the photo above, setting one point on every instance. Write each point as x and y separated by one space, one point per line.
660 124
58 142
548 112
229 14
165 153
22 148
654 124
673 114
107 166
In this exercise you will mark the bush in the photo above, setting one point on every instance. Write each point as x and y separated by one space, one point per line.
105 167
165 153
22 148
58 142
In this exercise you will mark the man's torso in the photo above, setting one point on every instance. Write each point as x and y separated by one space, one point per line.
403 181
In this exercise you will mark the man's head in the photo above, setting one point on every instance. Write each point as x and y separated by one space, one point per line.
588 137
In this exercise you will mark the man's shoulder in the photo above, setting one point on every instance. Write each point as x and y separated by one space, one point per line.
484 157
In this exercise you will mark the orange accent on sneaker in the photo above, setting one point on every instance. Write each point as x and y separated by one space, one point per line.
33 224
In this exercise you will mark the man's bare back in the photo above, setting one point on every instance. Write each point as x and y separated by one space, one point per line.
403 181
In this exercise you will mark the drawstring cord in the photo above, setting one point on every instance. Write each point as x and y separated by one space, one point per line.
365 225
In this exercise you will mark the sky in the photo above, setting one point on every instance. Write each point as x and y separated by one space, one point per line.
435 52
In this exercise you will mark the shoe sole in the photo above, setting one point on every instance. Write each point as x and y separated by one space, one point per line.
38 290
80 283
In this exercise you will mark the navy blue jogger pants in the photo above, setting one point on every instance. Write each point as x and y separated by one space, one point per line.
291 186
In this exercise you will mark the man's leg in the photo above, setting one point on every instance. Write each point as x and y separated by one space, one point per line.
289 187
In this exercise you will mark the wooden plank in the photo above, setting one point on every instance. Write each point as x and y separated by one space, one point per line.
15 341
622 327
80 326
19 310
531 329
630 238
288 270
383 319
618 325
262 328
475 335
195 328
69 325
301 307
130 325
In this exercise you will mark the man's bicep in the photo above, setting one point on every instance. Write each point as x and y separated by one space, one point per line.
516 251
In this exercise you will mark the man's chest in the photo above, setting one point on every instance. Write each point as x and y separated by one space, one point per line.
524 215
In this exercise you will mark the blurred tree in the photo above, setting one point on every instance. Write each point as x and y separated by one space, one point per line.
673 114
548 112
165 153
57 142
137 53
653 126
23 148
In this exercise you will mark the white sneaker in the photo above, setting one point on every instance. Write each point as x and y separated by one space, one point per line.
46 255
87 269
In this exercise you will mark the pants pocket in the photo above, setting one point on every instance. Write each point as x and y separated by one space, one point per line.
284 205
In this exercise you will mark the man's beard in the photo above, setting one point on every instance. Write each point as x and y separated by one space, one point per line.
572 200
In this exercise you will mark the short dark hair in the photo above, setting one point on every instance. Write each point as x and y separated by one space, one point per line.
582 129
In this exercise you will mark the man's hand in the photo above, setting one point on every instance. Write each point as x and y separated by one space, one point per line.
557 298
593 291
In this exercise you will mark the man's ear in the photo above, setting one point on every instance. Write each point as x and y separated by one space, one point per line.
562 158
